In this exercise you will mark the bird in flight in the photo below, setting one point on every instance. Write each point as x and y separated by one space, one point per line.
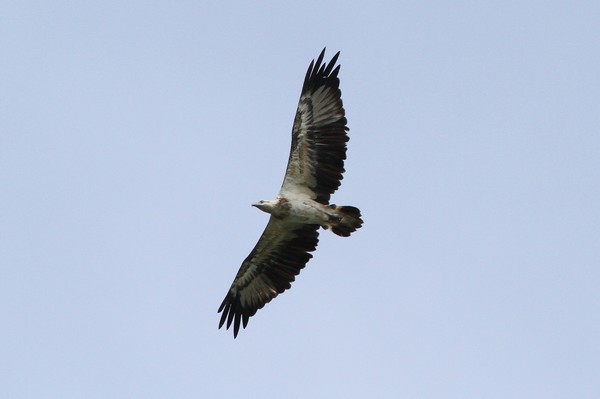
314 172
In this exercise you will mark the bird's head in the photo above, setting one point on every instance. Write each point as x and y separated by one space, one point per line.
266 206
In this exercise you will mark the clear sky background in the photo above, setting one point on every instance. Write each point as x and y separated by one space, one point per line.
134 135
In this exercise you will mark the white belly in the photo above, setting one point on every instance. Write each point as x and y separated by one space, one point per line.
308 211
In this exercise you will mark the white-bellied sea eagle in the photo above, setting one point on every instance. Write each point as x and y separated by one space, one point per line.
313 173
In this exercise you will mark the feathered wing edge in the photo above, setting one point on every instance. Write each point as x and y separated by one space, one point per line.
318 148
281 252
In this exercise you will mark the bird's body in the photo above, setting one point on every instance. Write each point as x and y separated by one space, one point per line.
314 172
301 210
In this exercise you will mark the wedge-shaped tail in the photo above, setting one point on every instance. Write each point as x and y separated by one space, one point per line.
347 220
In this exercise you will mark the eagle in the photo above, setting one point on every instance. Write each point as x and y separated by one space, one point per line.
314 172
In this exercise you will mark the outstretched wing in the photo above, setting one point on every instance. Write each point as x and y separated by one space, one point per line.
281 252
319 136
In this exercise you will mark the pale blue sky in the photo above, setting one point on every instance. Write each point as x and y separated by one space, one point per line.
135 135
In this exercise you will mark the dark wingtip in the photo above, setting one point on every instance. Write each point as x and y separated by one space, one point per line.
321 70
332 64
321 56
232 313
